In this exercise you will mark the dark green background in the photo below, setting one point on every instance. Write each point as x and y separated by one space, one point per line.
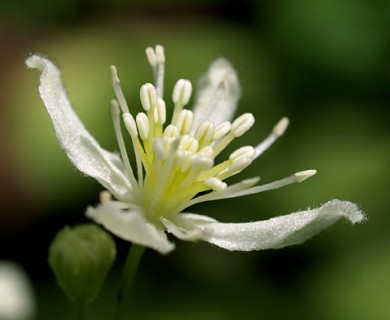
324 64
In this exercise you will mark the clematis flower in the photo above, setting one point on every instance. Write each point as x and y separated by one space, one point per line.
177 164
17 297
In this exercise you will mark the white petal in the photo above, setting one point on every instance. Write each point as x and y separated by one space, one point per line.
130 225
217 95
274 233
80 146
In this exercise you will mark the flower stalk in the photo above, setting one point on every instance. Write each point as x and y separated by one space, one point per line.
127 280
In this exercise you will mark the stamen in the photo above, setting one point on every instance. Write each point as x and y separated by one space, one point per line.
171 132
202 163
148 95
180 96
105 196
152 57
156 58
206 151
182 92
276 133
246 188
243 152
221 129
242 124
215 184
229 192
166 172
160 112
303 175
237 166
118 90
186 161
189 144
139 152
122 148
295 178
204 133
160 53
130 124
239 126
143 125
158 149
184 121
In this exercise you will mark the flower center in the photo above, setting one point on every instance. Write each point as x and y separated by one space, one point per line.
177 161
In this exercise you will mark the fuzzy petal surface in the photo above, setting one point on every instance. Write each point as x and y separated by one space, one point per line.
80 146
218 93
130 225
274 233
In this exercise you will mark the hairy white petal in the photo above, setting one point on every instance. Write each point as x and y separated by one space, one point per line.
217 95
130 225
80 146
274 233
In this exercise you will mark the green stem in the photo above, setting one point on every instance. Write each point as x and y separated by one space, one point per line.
127 279
80 311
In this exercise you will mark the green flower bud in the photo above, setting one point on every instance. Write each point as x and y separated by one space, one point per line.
80 258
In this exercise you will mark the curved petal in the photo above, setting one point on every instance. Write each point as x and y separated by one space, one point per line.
274 233
217 95
80 146
130 226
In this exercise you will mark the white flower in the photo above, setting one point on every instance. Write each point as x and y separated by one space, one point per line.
176 164
17 301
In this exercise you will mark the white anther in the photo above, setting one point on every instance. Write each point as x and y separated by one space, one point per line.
281 126
201 163
239 165
182 92
221 129
184 121
155 56
180 157
187 161
160 113
159 150
143 125
151 55
303 175
118 90
130 124
114 75
215 183
189 144
204 133
105 196
171 132
206 151
160 53
243 152
242 124
114 107
148 95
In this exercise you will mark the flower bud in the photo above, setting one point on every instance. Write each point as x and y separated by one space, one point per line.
80 258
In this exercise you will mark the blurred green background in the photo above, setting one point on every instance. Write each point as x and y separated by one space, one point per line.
322 63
